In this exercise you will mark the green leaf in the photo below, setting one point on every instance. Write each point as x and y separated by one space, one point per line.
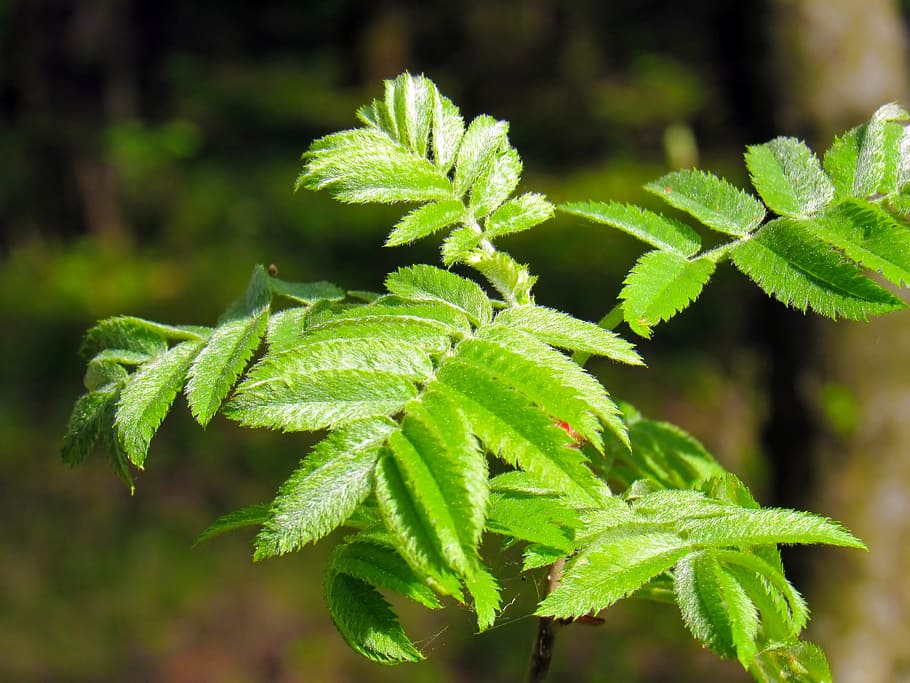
547 378
459 245
85 424
129 334
738 527
379 565
562 330
110 439
713 201
789 177
426 220
411 101
840 161
306 292
614 565
325 399
784 612
365 165
220 362
409 529
540 519
366 621
659 231
485 137
510 278
442 492
800 662
251 515
148 396
668 455
716 608
398 358
795 269
399 314
868 235
100 373
519 214
661 285
519 433
418 326
495 183
878 161
448 130
427 283
324 490
258 295
484 589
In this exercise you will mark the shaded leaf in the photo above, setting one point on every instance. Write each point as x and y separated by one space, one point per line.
366 621
251 515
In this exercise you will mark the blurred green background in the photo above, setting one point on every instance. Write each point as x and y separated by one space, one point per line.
147 154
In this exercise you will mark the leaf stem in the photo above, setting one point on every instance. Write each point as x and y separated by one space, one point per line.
608 322
542 651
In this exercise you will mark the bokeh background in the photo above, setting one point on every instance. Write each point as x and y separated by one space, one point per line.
147 154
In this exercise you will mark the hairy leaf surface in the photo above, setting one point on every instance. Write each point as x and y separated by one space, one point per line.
713 201
661 285
426 220
148 396
323 491
562 330
868 235
659 231
789 177
220 362
789 265
366 621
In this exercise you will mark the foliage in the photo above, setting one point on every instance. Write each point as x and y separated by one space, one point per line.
420 386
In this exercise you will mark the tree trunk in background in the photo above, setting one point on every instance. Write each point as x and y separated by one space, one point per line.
837 61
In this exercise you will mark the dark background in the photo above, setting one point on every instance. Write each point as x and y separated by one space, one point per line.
147 155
